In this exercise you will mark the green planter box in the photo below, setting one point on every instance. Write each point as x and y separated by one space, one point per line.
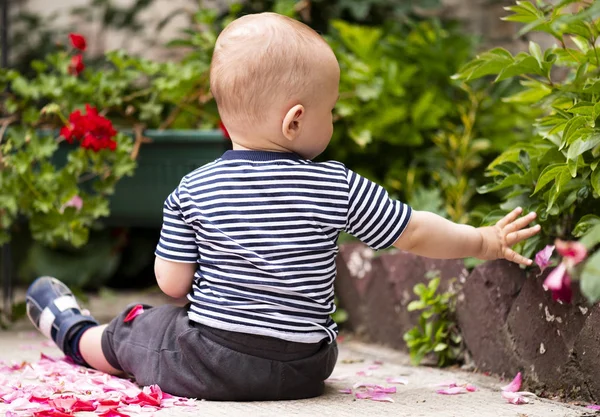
138 200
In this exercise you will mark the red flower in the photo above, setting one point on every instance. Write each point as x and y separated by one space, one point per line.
76 66
94 131
224 130
78 41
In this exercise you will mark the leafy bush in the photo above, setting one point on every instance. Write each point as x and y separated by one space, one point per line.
436 332
41 174
556 174
398 106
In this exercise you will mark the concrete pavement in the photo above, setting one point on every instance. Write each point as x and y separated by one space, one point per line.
417 398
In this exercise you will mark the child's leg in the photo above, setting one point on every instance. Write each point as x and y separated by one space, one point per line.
90 347
53 310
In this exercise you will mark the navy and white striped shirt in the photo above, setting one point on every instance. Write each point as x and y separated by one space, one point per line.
262 227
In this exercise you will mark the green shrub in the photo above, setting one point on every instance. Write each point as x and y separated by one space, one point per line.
557 174
436 332
403 122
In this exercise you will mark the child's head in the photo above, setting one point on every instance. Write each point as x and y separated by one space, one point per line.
275 81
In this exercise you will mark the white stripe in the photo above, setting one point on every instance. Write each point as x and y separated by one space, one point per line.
299 202
65 302
46 322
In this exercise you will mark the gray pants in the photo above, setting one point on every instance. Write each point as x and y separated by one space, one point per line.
162 346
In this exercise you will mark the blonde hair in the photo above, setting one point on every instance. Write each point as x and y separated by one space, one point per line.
261 59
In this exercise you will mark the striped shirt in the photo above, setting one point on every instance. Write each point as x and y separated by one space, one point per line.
262 227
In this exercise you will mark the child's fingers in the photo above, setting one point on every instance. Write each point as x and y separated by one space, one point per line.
510 217
513 256
520 235
522 222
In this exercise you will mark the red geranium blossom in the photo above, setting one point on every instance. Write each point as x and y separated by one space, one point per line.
94 131
78 41
76 66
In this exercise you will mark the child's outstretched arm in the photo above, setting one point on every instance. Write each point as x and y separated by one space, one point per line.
430 235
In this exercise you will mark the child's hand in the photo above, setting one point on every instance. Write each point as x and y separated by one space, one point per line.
497 240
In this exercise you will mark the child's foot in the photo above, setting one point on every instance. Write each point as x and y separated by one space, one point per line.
52 308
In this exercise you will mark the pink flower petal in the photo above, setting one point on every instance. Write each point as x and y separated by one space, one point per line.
382 398
515 384
52 413
572 251
397 380
594 407
113 413
470 388
133 313
452 391
554 281
378 362
384 390
359 385
362 395
565 293
514 397
542 258
345 391
75 202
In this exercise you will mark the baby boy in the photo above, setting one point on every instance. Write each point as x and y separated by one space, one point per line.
250 238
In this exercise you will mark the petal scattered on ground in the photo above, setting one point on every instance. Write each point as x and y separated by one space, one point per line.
397 380
514 397
452 391
515 384
55 387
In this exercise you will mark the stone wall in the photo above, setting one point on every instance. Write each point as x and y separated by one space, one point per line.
508 322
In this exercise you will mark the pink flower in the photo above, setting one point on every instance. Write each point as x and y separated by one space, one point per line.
76 202
542 258
515 384
572 252
559 282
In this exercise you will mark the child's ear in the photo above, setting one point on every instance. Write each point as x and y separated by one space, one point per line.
292 122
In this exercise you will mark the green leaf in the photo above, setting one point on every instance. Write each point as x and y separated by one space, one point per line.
595 180
549 174
591 237
585 224
511 180
590 278
415 305
490 62
536 52
571 128
529 95
526 65
580 146
440 346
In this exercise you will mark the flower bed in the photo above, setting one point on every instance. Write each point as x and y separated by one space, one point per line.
509 323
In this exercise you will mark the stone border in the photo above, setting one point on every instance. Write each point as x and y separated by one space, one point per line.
508 322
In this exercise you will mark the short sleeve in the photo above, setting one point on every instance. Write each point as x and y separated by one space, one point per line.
373 217
177 238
